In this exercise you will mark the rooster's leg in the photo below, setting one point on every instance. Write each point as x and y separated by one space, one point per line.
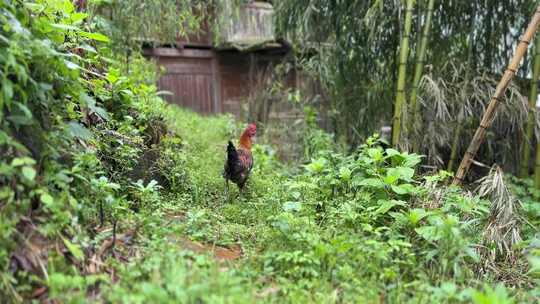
240 190
226 187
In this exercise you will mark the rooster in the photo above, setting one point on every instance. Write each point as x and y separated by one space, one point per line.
239 161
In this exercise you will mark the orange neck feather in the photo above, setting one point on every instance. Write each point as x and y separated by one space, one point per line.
245 141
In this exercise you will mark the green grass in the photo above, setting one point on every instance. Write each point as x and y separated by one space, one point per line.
327 227
326 235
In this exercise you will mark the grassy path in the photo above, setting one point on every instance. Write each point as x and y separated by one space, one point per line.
201 245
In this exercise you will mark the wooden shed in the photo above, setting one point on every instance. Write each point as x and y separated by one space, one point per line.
221 77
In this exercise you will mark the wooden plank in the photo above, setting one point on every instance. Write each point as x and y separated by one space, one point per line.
175 52
216 80
188 69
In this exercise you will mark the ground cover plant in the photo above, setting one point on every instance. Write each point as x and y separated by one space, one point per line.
109 195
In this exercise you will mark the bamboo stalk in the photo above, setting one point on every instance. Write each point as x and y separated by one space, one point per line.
454 149
461 116
402 73
489 114
537 167
419 69
530 121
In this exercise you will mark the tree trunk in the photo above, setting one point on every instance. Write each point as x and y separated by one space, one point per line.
490 112
531 121
400 102
419 69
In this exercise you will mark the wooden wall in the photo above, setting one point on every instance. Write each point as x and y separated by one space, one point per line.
251 24
191 75
234 70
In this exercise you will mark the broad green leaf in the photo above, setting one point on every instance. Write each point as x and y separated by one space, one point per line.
403 189
15 25
385 206
449 288
20 120
392 152
391 179
375 153
7 89
428 232
45 86
406 173
402 173
24 110
101 112
77 17
20 161
316 166
86 100
472 254
112 76
412 160
292 206
88 48
67 7
34 7
72 65
77 130
416 215
534 263
127 92
95 36
29 173
46 199
91 104
372 182
65 27
345 173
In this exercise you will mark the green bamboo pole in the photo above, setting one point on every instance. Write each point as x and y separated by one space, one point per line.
530 122
537 167
400 102
461 116
419 69
455 144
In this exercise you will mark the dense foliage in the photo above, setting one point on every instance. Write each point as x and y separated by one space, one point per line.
73 132
129 24
354 48
109 195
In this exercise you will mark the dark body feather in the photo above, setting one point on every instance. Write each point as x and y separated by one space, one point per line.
238 165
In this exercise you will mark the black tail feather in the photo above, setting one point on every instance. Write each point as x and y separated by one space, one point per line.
232 160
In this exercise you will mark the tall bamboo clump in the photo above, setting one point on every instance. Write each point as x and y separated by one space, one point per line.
419 69
537 167
491 110
531 121
400 102
461 114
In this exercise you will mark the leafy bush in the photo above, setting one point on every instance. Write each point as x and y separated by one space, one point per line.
103 187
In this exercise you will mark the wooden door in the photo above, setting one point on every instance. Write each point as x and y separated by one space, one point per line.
191 78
